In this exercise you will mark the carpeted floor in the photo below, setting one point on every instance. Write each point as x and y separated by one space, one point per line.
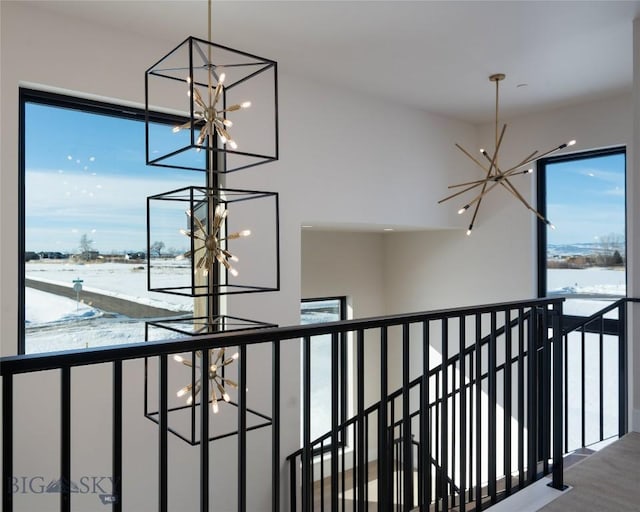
607 481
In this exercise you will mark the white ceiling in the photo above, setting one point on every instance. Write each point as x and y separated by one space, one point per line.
433 55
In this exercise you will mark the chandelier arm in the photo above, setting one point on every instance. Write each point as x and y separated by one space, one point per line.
509 186
199 224
546 153
475 214
474 159
475 183
513 171
461 192
493 165
482 194
526 161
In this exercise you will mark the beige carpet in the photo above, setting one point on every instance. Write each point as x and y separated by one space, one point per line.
608 480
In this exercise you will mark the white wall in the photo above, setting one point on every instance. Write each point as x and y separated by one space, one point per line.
498 261
335 166
344 263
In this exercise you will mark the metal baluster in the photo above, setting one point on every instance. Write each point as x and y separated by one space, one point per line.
463 415
334 418
275 426
407 469
478 446
444 447
116 468
507 400
307 459
242 428
558 464
493 409
7 442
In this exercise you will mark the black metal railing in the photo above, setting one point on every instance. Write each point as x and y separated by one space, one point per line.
448 409
444 438
595 400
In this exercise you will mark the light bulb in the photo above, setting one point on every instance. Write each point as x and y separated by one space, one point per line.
469 231
213 367
552 226
188 79
223 138
190 400
246 104
571 142
183 391
246 232
176 129
227 123
235 356
234 258
226 397
233 272
214 406
178 358
233 144
529 171
221 78
463 209
482 151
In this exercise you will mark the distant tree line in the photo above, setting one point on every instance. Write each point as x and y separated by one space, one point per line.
607 253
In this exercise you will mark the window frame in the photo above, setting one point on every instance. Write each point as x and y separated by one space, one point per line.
344 376
541 193
78 103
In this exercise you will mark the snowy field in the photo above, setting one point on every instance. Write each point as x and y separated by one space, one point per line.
58 323
587 290
124 280
54 324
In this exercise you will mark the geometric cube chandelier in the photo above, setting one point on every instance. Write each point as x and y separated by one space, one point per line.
207 86
202 88
495 174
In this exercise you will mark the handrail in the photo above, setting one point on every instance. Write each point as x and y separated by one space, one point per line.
600 313
81 357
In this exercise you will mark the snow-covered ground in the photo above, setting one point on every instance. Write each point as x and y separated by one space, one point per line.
58 323
123 280
587 290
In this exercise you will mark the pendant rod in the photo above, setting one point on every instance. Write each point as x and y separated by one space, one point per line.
497 78
496 127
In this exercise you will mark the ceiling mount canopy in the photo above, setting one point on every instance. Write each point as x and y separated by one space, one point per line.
494 173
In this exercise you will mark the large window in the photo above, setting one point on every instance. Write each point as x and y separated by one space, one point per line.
83 228
320 310
584 258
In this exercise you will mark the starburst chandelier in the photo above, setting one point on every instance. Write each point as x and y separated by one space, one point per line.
211 119
217 380
212 243
495 174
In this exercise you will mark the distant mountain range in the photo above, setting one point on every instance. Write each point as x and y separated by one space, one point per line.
584 249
